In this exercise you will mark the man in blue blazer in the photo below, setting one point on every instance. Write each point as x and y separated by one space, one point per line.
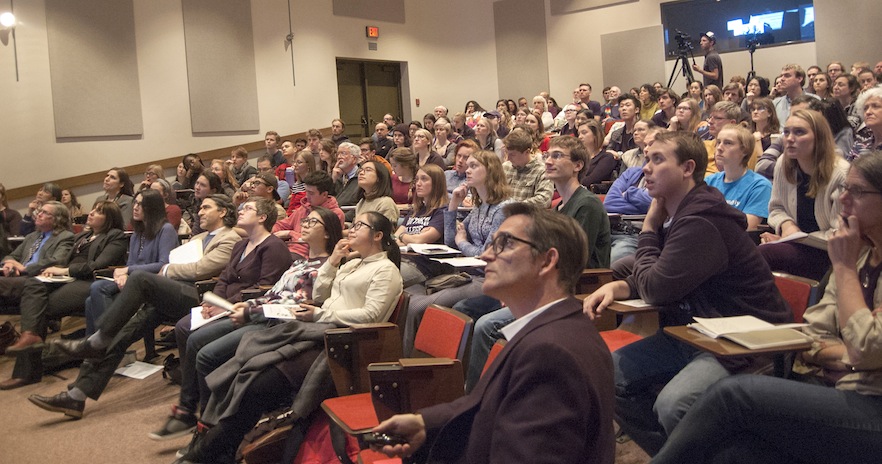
548 396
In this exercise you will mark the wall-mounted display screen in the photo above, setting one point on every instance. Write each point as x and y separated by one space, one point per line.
737 24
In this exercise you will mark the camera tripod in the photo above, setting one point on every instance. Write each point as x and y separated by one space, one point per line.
683 62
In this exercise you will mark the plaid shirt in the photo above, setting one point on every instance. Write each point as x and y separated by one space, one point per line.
528 183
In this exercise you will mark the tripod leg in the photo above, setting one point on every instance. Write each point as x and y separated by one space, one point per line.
673 77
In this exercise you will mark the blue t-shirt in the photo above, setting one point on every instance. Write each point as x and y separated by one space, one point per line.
750 194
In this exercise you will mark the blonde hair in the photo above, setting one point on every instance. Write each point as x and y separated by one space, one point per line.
824 157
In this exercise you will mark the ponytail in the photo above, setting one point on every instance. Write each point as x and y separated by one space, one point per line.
384 226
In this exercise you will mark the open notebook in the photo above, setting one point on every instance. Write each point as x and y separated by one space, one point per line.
749 331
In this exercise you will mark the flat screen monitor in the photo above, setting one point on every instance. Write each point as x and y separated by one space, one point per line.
737 24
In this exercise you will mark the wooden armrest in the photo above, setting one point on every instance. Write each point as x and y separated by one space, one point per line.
592 279
351 349
414 383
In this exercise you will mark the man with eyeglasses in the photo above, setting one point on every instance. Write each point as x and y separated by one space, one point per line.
723 113
693 258
263 185
345 174
48 245
319 188
369 153
565 161
549 393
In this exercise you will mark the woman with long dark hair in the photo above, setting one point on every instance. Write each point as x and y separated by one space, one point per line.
118 189
359 283
375 183
149 247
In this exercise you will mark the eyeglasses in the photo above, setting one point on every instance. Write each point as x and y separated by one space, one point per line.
311 222
366 170
555 155
249 208
857 192
359 224
46 213
255 183
505 240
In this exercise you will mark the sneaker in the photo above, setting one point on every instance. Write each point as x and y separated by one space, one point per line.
201 430
179 424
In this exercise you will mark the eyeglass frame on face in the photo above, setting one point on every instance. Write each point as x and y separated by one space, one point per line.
248 207
44 212
554 155
857 192
259 181
505 238
311 222
358 225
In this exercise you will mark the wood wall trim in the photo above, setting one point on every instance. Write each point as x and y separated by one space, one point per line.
134 170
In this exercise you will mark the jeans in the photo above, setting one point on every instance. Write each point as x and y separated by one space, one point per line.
485 335
659 360
101 295
622 245
203 351
760 419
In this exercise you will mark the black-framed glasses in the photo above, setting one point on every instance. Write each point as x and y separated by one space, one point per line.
504 240
310 222
857 192
359 224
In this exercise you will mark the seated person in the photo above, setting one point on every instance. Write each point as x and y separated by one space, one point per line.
48 192
318 194
564 163
628 195
525 173
602 164
241 169
404 168
168 294
207 183
694 258
621 135
457 174
375 183
359 283
804 191
209 347
490 191
723 114
10 219
744 189
768 419
101 244
635 157
302 165
48 245
548 396
149 246
344 173
423 224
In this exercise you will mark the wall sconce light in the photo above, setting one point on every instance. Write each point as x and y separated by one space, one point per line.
7 20
7 28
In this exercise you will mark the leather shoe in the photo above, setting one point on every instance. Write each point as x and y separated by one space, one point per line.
13 383
61 402
28 341
79 349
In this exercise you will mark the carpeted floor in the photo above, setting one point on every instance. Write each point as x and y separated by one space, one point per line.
114 429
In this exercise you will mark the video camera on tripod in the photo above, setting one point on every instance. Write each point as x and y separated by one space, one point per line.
684 50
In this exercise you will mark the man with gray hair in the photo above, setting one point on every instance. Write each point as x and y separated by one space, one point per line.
345 174
440 111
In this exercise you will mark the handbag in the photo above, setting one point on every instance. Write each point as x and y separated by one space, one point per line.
441 282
